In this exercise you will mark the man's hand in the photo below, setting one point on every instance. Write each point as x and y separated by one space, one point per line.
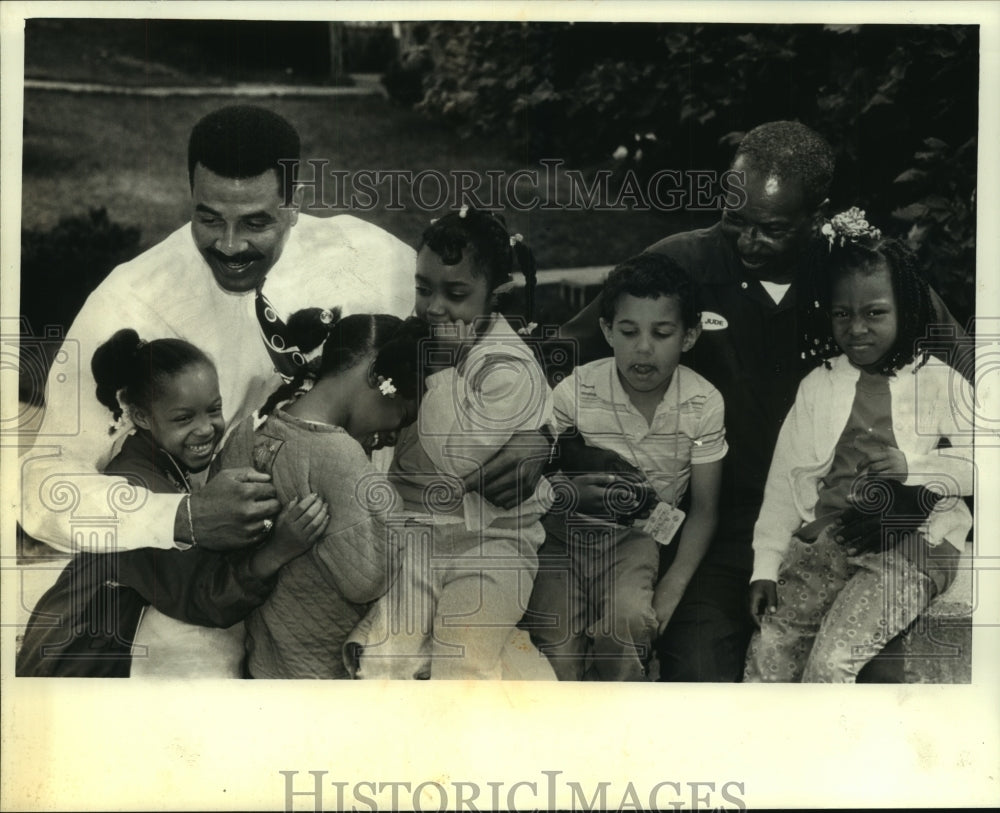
229 512
511 476
763 598
299 525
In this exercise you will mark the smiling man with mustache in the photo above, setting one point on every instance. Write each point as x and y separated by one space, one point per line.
217 282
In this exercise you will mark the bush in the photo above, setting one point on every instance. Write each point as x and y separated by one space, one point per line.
880 94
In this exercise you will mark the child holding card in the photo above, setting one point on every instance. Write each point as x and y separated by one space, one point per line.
597 597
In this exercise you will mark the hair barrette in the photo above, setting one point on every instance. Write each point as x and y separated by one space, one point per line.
326 316
515 239
464 210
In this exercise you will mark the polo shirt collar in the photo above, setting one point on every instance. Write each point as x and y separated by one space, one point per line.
619 397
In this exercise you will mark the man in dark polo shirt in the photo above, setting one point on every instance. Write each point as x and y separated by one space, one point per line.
757 300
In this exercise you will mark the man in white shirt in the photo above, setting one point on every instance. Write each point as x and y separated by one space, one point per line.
247 258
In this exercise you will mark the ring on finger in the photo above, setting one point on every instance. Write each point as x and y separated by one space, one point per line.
268 525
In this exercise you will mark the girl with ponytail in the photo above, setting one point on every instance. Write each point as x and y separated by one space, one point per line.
167 392
484 385
316 434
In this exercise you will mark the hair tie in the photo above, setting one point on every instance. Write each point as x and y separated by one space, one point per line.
118 423
386 387
515 239
850 227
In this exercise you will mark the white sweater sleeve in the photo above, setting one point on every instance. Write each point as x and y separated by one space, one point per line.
65 500
564 404
779 516
945 407
465 418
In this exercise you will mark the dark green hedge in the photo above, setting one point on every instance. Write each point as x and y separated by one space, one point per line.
899 104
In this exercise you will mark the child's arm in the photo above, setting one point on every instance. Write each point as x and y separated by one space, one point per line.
945 410
462 425
211 589
779 515
357 550
696 536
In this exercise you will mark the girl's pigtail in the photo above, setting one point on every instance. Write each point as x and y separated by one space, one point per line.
816 342
398 359
113 365
307 329
526 262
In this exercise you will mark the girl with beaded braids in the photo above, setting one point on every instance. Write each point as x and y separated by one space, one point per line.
316 434
452 613
111 601
865 429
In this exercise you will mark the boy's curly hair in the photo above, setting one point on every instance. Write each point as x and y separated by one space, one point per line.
650 276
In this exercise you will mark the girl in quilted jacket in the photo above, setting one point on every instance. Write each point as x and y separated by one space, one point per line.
319 440
865 431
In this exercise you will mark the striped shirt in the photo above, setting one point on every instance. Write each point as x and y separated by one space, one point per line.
687 427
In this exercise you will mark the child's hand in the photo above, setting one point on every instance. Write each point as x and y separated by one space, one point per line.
763 596
886 462
300 524
666 597
877 458
457 331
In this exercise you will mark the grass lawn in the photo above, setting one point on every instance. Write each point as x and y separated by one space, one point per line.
128 154
84 151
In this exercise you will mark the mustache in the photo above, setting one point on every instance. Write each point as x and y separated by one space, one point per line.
243 257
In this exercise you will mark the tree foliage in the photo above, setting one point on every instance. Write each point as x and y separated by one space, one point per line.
899 103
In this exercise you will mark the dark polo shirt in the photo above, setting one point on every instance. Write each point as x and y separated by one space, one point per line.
749 350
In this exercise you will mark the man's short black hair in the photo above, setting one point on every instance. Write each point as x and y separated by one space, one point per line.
650 276
244 141
789 149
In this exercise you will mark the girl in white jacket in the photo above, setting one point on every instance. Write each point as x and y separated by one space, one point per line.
865 426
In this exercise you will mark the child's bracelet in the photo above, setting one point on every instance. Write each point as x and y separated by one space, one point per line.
190 520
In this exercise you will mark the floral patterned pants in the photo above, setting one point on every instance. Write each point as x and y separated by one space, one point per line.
835 612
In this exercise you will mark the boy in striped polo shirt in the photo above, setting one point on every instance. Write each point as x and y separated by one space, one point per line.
599 600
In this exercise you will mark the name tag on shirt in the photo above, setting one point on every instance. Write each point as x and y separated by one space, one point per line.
663 523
